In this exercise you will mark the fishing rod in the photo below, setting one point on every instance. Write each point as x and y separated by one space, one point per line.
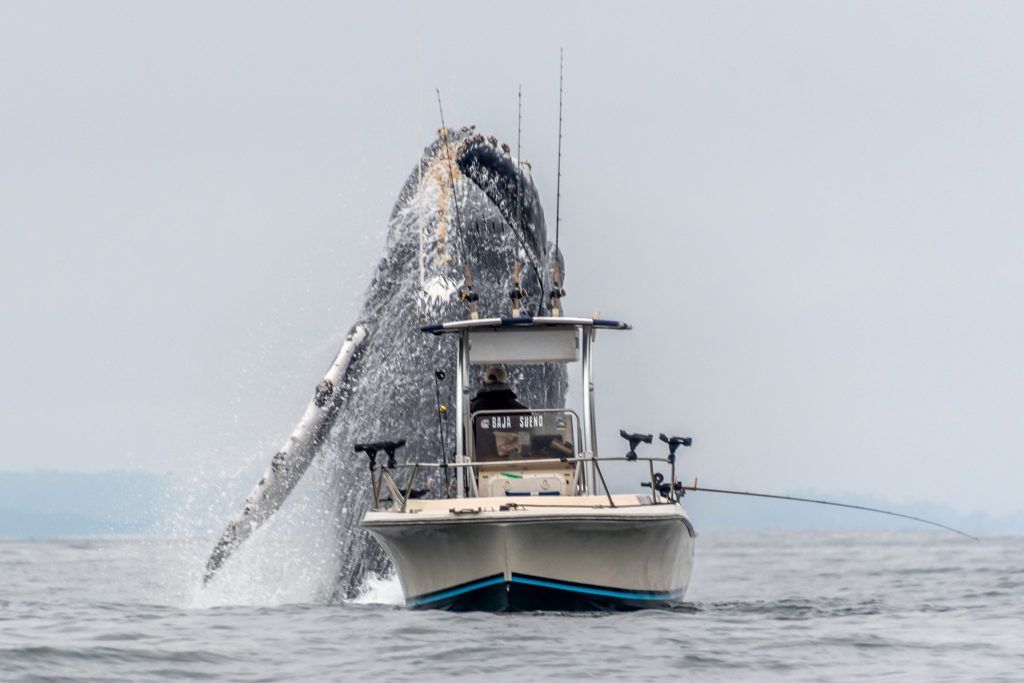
557 292
466 293
519 157
558 178
442 416
451 178
521 201
826 502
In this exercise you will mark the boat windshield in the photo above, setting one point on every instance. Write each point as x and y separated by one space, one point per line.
509 435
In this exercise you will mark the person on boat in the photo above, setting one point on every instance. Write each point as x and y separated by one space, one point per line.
495 394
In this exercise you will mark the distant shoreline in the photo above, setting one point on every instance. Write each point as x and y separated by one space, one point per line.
48 504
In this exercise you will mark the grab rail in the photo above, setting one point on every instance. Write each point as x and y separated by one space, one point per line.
381 477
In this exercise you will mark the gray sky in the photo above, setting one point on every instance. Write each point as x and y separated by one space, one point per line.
810 212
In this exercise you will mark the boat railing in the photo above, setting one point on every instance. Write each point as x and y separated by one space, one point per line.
383 478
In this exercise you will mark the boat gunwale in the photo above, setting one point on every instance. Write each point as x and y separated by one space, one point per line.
383 519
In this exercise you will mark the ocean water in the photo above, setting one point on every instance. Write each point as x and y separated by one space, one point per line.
918 606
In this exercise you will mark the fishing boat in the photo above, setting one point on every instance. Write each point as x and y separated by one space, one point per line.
527 520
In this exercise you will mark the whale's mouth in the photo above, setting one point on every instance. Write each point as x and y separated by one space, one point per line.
507 183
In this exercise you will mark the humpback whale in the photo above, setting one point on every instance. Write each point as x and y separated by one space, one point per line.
469 215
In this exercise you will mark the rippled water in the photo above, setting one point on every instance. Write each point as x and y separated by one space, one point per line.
763 605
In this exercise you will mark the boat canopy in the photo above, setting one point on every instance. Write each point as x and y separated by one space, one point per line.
525 340
528 321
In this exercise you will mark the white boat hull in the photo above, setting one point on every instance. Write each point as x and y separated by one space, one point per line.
574 553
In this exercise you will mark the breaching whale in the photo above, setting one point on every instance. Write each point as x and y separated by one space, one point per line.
468 207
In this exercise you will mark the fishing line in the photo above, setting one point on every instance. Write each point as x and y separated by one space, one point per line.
832 503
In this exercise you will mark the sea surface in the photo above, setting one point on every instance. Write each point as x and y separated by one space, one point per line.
916 606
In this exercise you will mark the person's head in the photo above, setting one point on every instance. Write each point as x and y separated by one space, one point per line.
495 376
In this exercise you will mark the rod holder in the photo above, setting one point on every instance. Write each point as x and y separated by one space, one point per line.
372 448
634 441
675 442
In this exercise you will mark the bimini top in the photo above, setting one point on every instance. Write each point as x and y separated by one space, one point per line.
524 322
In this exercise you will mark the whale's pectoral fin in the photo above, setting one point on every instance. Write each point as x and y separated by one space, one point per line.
289 464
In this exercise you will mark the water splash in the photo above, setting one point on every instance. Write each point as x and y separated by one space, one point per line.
293 559
380 590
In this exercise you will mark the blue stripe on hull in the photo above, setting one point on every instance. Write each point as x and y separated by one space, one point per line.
597 591
461 589
530 593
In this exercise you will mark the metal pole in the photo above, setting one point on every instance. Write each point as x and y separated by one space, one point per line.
587 410
592 336
467 427
460 446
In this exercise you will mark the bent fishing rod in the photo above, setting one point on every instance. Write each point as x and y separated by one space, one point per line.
827 502
670 490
